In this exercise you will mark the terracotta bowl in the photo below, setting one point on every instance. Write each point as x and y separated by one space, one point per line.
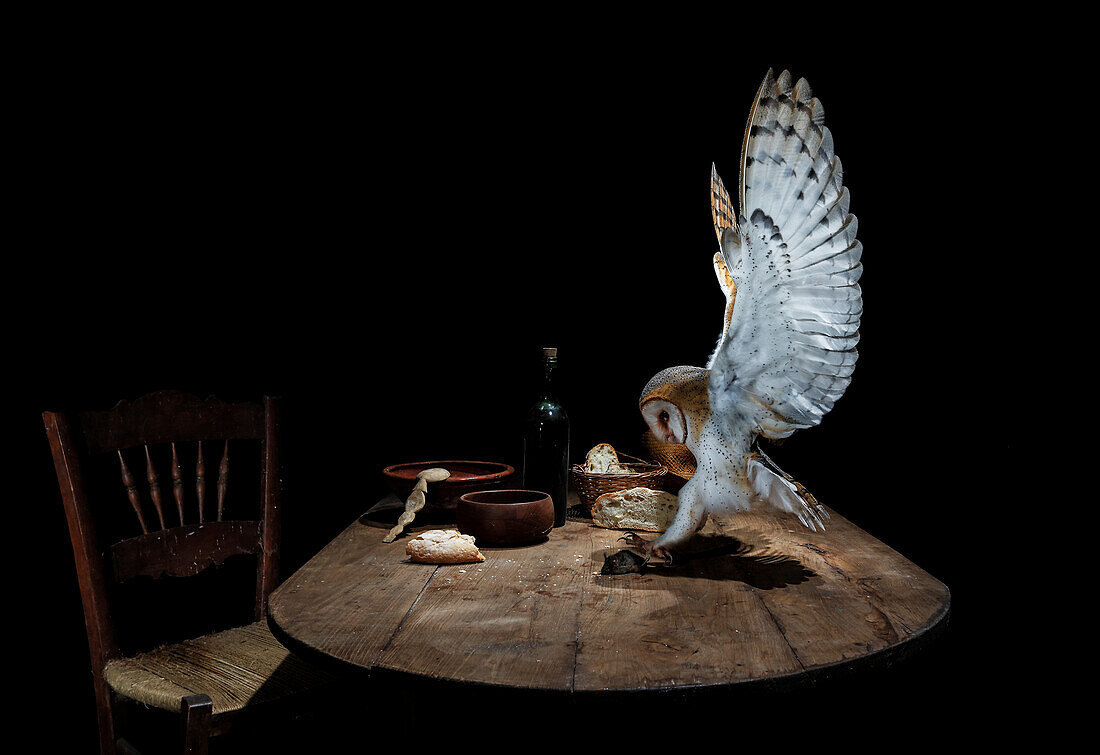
466 476
503 517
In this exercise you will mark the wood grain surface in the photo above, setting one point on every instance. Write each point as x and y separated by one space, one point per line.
754 598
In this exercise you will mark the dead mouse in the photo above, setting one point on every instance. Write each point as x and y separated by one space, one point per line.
623 562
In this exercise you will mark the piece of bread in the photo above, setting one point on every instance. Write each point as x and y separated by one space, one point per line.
443 547
635 509
603 459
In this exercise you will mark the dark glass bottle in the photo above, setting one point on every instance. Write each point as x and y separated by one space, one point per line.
546 443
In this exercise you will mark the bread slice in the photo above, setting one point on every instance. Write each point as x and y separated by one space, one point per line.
603 459
443 547
635 509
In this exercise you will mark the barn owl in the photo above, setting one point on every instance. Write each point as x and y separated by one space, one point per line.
789 265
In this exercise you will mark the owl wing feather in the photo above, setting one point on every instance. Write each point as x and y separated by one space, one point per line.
789 344
723 213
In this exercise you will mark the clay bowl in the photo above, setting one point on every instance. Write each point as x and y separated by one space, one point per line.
466 476
505 517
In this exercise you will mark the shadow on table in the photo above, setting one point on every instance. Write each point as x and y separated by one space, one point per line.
720 557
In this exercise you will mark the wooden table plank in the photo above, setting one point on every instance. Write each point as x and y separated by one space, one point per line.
756 597
864 597
509 621
657 630
349 600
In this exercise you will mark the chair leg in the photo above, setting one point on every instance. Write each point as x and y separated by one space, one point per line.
195 713
106 715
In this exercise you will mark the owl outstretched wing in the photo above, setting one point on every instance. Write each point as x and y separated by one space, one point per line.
789 345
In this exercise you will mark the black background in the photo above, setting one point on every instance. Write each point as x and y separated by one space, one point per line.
386 240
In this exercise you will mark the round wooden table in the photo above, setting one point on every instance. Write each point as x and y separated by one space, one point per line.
757 598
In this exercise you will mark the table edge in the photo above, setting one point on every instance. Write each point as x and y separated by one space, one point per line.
925 635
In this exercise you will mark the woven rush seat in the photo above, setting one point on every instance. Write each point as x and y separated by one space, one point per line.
238 667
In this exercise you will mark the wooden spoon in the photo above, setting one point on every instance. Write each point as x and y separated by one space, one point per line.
416 500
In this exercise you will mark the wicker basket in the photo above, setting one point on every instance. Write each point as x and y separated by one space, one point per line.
590 485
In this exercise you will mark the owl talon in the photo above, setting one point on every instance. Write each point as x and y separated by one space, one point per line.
634 540
647 548
661 553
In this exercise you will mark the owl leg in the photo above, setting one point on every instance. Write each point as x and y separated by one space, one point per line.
691 514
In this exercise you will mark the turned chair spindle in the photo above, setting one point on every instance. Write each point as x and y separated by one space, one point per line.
132 492
223 479
200 482
178 493
177 482
154 486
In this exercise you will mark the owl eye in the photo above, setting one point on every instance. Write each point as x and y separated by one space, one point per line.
665 420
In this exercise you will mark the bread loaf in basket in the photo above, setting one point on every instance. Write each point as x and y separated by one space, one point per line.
624 472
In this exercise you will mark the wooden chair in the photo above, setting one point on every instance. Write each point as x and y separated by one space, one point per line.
211 679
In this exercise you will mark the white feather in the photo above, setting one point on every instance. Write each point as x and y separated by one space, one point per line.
770 484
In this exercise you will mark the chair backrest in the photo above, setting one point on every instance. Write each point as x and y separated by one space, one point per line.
181 534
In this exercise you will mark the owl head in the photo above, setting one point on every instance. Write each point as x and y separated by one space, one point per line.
676 403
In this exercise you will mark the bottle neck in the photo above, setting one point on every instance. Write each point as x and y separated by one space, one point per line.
549 365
